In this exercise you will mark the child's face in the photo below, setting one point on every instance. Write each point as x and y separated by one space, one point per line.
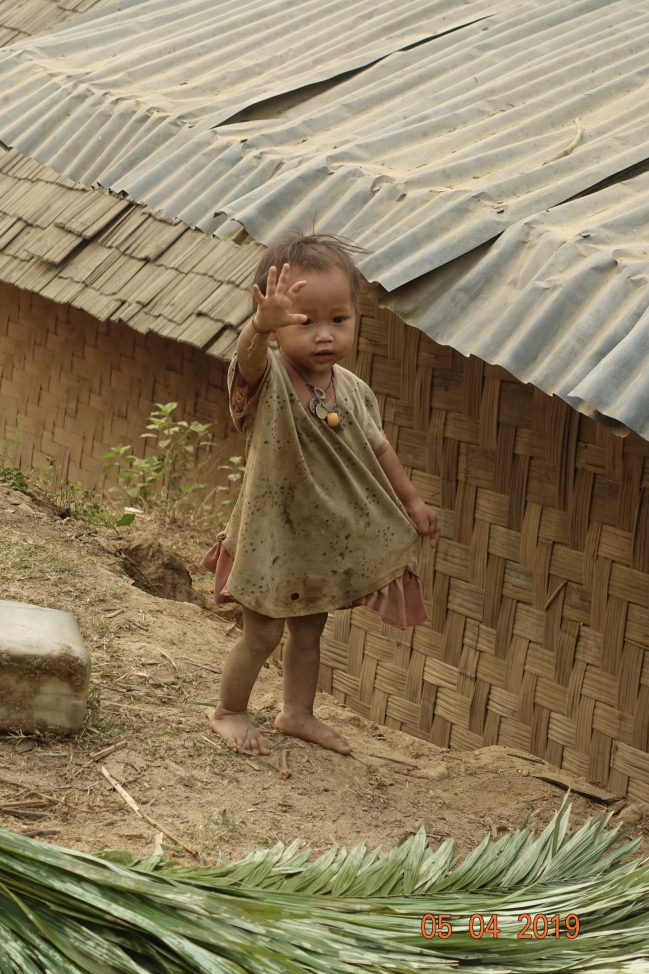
327 335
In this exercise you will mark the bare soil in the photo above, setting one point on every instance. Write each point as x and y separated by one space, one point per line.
156 666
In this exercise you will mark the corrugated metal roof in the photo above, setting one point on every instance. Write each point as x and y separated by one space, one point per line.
425 157
421 156
560 300
106 255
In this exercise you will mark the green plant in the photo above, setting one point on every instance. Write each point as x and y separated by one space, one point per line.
14 478
160 479
278 911
236 470
10 450
78 502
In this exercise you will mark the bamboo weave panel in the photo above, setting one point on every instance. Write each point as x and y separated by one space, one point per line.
538 593
71 386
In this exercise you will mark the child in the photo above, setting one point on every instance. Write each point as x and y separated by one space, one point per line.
326 517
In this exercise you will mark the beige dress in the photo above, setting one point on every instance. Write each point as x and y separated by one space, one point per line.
317 524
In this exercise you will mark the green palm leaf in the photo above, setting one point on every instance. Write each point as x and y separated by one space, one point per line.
277 911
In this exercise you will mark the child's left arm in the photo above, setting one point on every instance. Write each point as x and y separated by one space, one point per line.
423 516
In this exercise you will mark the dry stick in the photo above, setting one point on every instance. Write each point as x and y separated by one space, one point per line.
26 804
389 757
354 756
30 791
223 750
201 666
132 804
558 589
100 754
213 743
169 658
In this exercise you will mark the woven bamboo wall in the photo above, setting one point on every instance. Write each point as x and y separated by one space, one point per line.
538 593
71 386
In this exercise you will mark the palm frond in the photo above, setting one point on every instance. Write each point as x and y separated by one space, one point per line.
277 911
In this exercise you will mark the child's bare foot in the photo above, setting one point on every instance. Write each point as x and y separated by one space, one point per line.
238 732
309 728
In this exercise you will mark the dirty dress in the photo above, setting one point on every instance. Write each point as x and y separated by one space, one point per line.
317 525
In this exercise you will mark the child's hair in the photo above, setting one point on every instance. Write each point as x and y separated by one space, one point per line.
313 251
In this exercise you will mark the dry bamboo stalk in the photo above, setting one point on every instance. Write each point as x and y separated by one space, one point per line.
133 805
100 754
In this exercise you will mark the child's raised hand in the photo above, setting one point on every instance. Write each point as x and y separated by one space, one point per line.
274 307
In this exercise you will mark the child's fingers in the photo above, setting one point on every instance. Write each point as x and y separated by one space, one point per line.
296 319
295 290
290 320
435 530
271 282
283 279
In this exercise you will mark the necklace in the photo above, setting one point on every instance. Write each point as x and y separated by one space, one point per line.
331 417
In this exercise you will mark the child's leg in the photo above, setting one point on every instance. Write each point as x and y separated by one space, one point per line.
261 635
301 662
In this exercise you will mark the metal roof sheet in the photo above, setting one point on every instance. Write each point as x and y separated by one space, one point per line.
425 156
77 245
421 156
560 300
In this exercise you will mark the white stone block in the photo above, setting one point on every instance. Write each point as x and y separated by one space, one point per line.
44 669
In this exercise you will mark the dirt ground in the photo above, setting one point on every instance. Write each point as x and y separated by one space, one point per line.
156 666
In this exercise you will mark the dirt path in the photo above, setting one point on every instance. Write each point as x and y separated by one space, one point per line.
156 667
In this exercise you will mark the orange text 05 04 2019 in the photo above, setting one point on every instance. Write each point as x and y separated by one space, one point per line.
534 927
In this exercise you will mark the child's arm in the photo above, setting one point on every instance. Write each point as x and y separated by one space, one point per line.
423 516
273 312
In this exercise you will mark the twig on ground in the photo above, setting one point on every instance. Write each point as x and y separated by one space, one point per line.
167 656
526 757
132 804
213 743
201 666
390 757
284 770
30 791
226 750
356 758
25 804
100 754
315 768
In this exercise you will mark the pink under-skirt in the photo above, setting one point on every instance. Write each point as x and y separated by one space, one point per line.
400 603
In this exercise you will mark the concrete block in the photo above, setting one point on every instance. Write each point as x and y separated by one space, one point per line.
44 669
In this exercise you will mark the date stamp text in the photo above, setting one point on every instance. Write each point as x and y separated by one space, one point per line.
536 927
